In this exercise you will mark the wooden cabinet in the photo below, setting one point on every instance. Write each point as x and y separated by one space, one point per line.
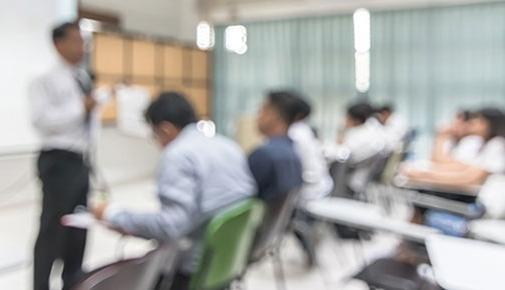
156 65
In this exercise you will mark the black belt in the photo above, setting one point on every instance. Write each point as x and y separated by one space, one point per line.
63 153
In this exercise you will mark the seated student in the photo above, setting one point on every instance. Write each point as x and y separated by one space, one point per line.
394 126
316 177
455 141
489 124
275 164
197 177
361 135
317 182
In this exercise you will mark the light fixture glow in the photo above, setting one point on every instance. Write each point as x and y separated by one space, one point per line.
205 35
236 39
362 45
207 127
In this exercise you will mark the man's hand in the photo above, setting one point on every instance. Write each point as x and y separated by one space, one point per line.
89 104
99 210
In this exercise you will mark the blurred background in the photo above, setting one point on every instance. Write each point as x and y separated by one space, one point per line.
429 58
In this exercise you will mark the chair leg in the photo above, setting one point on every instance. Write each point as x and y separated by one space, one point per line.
304 235
280 279
238 284
338 247
359 252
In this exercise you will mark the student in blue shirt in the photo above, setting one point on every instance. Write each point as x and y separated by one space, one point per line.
275 165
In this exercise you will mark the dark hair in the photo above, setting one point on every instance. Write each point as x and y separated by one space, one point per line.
466 115
171 107
61 31
495 118
286 103
386 108
303 108
360 111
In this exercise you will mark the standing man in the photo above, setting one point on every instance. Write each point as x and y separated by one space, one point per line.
62 113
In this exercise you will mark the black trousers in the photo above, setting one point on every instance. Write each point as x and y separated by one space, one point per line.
180 281
65 185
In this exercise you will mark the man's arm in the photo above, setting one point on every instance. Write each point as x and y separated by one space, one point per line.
51 115
178 214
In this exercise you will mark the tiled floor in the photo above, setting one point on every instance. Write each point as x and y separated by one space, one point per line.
337 260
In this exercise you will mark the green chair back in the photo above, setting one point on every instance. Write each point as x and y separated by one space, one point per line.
227 244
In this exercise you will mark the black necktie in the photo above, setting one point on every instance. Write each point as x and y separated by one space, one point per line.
85 85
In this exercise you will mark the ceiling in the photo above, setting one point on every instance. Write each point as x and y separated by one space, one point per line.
223 11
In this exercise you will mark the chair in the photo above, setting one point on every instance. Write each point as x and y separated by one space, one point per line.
226 245
389 274
132 274
277 217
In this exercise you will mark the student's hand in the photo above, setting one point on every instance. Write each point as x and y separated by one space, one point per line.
447 131
89 104
98 210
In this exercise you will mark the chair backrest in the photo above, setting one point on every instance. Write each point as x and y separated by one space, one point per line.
365 172
275 222
339 172
227 244
132 274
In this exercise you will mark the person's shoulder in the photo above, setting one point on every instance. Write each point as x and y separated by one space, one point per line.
497 141
175 152
226 141
471 140
264 151
43 77
49 76
300 131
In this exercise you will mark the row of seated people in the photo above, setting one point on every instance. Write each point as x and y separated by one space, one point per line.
467 154
367 131
200 175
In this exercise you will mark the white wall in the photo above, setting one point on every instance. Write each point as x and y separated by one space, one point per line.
169 18
25 51
122 159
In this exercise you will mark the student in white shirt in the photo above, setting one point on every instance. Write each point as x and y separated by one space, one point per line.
63 114
489 124
362 134
317 182
395 127
455 142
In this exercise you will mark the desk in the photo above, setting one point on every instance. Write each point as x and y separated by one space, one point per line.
403 183
365 216
489 230
462 264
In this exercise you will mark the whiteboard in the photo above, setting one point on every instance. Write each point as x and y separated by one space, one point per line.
25 52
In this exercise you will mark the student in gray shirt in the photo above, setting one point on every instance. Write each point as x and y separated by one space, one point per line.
198 176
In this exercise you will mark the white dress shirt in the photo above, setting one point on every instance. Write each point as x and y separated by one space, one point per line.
57 109
467 149
491 157
395 129
317 182
365 141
